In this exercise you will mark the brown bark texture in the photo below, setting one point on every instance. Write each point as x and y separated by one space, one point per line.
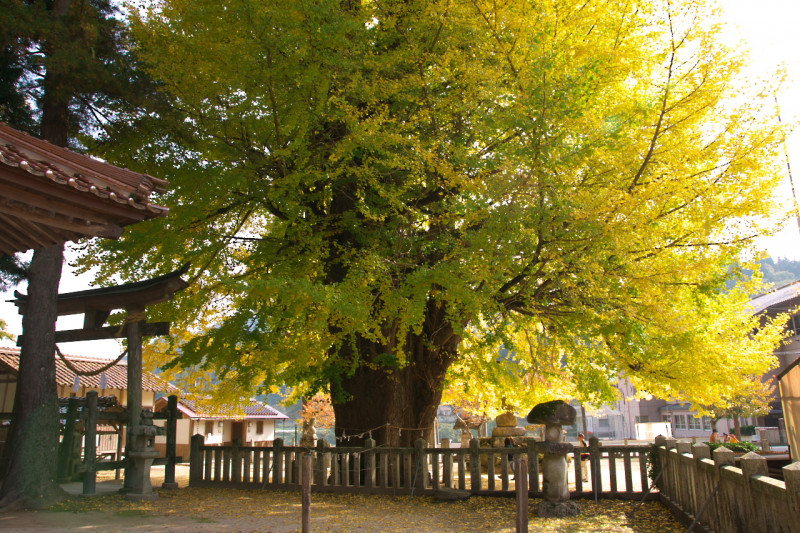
395 405
29 465
30 459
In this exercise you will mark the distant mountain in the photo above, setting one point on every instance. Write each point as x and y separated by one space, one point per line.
780 272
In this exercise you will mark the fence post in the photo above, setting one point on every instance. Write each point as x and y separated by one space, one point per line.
172 432
277 462
753 464
594 461
320 466
447 464
521 468
763 440
369 482
791 476
306 480
474 465
90 444
701 451
723 457
421 472
684 447
236 461
196 460
660 461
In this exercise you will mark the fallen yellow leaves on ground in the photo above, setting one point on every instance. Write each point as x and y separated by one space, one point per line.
250 510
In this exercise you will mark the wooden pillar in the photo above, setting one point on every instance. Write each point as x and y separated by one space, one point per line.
521 468
369 481
474 465
172 433
90 446
196 460
306 484
134 404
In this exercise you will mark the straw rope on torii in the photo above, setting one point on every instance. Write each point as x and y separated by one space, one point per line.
130 319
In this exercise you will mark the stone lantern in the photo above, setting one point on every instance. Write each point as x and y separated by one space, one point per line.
554 415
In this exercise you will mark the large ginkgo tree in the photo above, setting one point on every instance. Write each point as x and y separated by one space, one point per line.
376 196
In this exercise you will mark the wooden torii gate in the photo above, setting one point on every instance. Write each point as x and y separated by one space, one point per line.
96 305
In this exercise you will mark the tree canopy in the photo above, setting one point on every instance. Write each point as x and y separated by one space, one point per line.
371 188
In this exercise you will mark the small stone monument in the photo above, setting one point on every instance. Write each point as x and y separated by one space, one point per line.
553 415
309 436
506 427
466 435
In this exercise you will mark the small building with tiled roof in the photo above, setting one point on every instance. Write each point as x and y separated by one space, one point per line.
111 382
251 422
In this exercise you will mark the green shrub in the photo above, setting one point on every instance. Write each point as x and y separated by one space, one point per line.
739 447
748 431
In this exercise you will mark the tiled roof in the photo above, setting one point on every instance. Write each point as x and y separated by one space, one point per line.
775 297
78 171
116 376
251 409
51 195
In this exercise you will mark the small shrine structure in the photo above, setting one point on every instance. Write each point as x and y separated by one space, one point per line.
96 305
50 195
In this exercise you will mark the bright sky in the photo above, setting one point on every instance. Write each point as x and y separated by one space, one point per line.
767 27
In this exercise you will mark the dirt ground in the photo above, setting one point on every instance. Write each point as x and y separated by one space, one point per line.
207 510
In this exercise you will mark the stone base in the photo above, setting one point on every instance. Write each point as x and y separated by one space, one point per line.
166 485
558 509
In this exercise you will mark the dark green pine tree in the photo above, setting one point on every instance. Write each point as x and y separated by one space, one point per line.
64 64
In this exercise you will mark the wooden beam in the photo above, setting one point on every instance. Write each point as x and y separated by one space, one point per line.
15 228
151 329
95 318
111 231
141 293
78 198
52 204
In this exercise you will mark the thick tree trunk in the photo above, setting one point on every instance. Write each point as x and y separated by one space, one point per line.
29 464
396 406
737 428
30 460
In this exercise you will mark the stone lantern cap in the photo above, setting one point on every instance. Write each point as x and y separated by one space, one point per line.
556 412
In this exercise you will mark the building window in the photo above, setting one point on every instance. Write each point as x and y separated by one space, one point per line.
680 421
209 428
666 418
694 422
707 423
642 419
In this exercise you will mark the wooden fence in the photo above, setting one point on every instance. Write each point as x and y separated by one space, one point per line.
620 471
721 497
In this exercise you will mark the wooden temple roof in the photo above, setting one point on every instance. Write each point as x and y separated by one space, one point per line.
105 299
116 376
50 195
